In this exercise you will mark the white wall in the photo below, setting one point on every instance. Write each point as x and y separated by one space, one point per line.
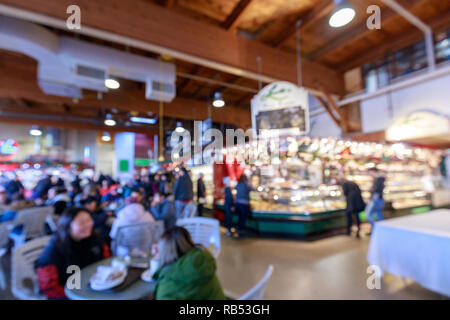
433 94
322 126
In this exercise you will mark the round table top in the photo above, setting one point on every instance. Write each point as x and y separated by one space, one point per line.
137 290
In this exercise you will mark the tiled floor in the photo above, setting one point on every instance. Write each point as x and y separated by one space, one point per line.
331 268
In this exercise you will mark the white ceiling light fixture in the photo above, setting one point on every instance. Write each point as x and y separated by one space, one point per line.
35 131
143 120
218 101
109 121
179 127
343 14
106 137
112 83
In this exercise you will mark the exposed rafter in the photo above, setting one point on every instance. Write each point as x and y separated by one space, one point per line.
233 19
359 31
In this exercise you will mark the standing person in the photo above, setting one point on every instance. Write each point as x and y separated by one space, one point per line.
201 194
376 203
355 203
229 206
14 186
41 189
243 202
186 271
74 243
183 192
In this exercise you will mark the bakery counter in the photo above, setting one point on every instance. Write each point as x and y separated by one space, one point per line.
291 224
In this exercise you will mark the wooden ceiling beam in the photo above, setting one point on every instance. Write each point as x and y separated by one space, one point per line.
333 106
328 110
167 32
323 8
16 83
234 18
359 31
438 24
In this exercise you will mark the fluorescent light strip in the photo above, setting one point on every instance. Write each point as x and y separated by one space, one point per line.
143 120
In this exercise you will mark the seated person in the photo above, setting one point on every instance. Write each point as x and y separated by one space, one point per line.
186 271
99 216
74 243
163 208
3 200
59 199
112 197
18 203
133 213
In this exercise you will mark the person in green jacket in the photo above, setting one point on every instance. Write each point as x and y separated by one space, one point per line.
186 271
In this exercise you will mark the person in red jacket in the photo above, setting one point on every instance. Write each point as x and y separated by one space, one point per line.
74 243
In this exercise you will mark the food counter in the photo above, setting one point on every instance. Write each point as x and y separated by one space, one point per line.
298 194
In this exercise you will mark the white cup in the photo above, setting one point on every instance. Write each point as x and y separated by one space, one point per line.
154 264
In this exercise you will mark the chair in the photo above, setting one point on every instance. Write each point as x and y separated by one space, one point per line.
5 229
24 283
204 231
137 238
33 221
257 292
190 211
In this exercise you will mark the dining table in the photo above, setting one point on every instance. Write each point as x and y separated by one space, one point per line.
415 247
136 290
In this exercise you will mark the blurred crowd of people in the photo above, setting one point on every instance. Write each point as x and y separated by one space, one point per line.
90 213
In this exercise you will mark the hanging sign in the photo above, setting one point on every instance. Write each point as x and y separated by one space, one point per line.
419 124
8 149
282 109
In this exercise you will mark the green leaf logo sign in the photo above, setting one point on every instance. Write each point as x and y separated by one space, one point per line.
277 94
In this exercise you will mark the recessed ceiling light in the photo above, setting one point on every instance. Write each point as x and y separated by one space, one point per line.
112 84
343 15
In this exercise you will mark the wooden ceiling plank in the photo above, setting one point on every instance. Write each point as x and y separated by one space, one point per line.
399 42
181 37
358 32
234 18
323 8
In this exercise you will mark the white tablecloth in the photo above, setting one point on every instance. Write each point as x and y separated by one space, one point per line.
415 247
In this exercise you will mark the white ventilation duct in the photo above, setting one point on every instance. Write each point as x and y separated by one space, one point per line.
66 65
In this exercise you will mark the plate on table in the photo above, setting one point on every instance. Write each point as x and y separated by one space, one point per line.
114 280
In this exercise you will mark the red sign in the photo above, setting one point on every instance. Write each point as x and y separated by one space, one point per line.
8 149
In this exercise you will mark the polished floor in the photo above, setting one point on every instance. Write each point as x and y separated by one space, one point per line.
330 268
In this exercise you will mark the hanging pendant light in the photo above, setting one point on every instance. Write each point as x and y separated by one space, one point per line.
343 14
109 121
179 127
106 137
218 100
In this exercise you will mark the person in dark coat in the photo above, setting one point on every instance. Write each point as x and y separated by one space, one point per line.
14 186
201 194
228 206
355 203
74 243
163 208
243 201
183 191
376 203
